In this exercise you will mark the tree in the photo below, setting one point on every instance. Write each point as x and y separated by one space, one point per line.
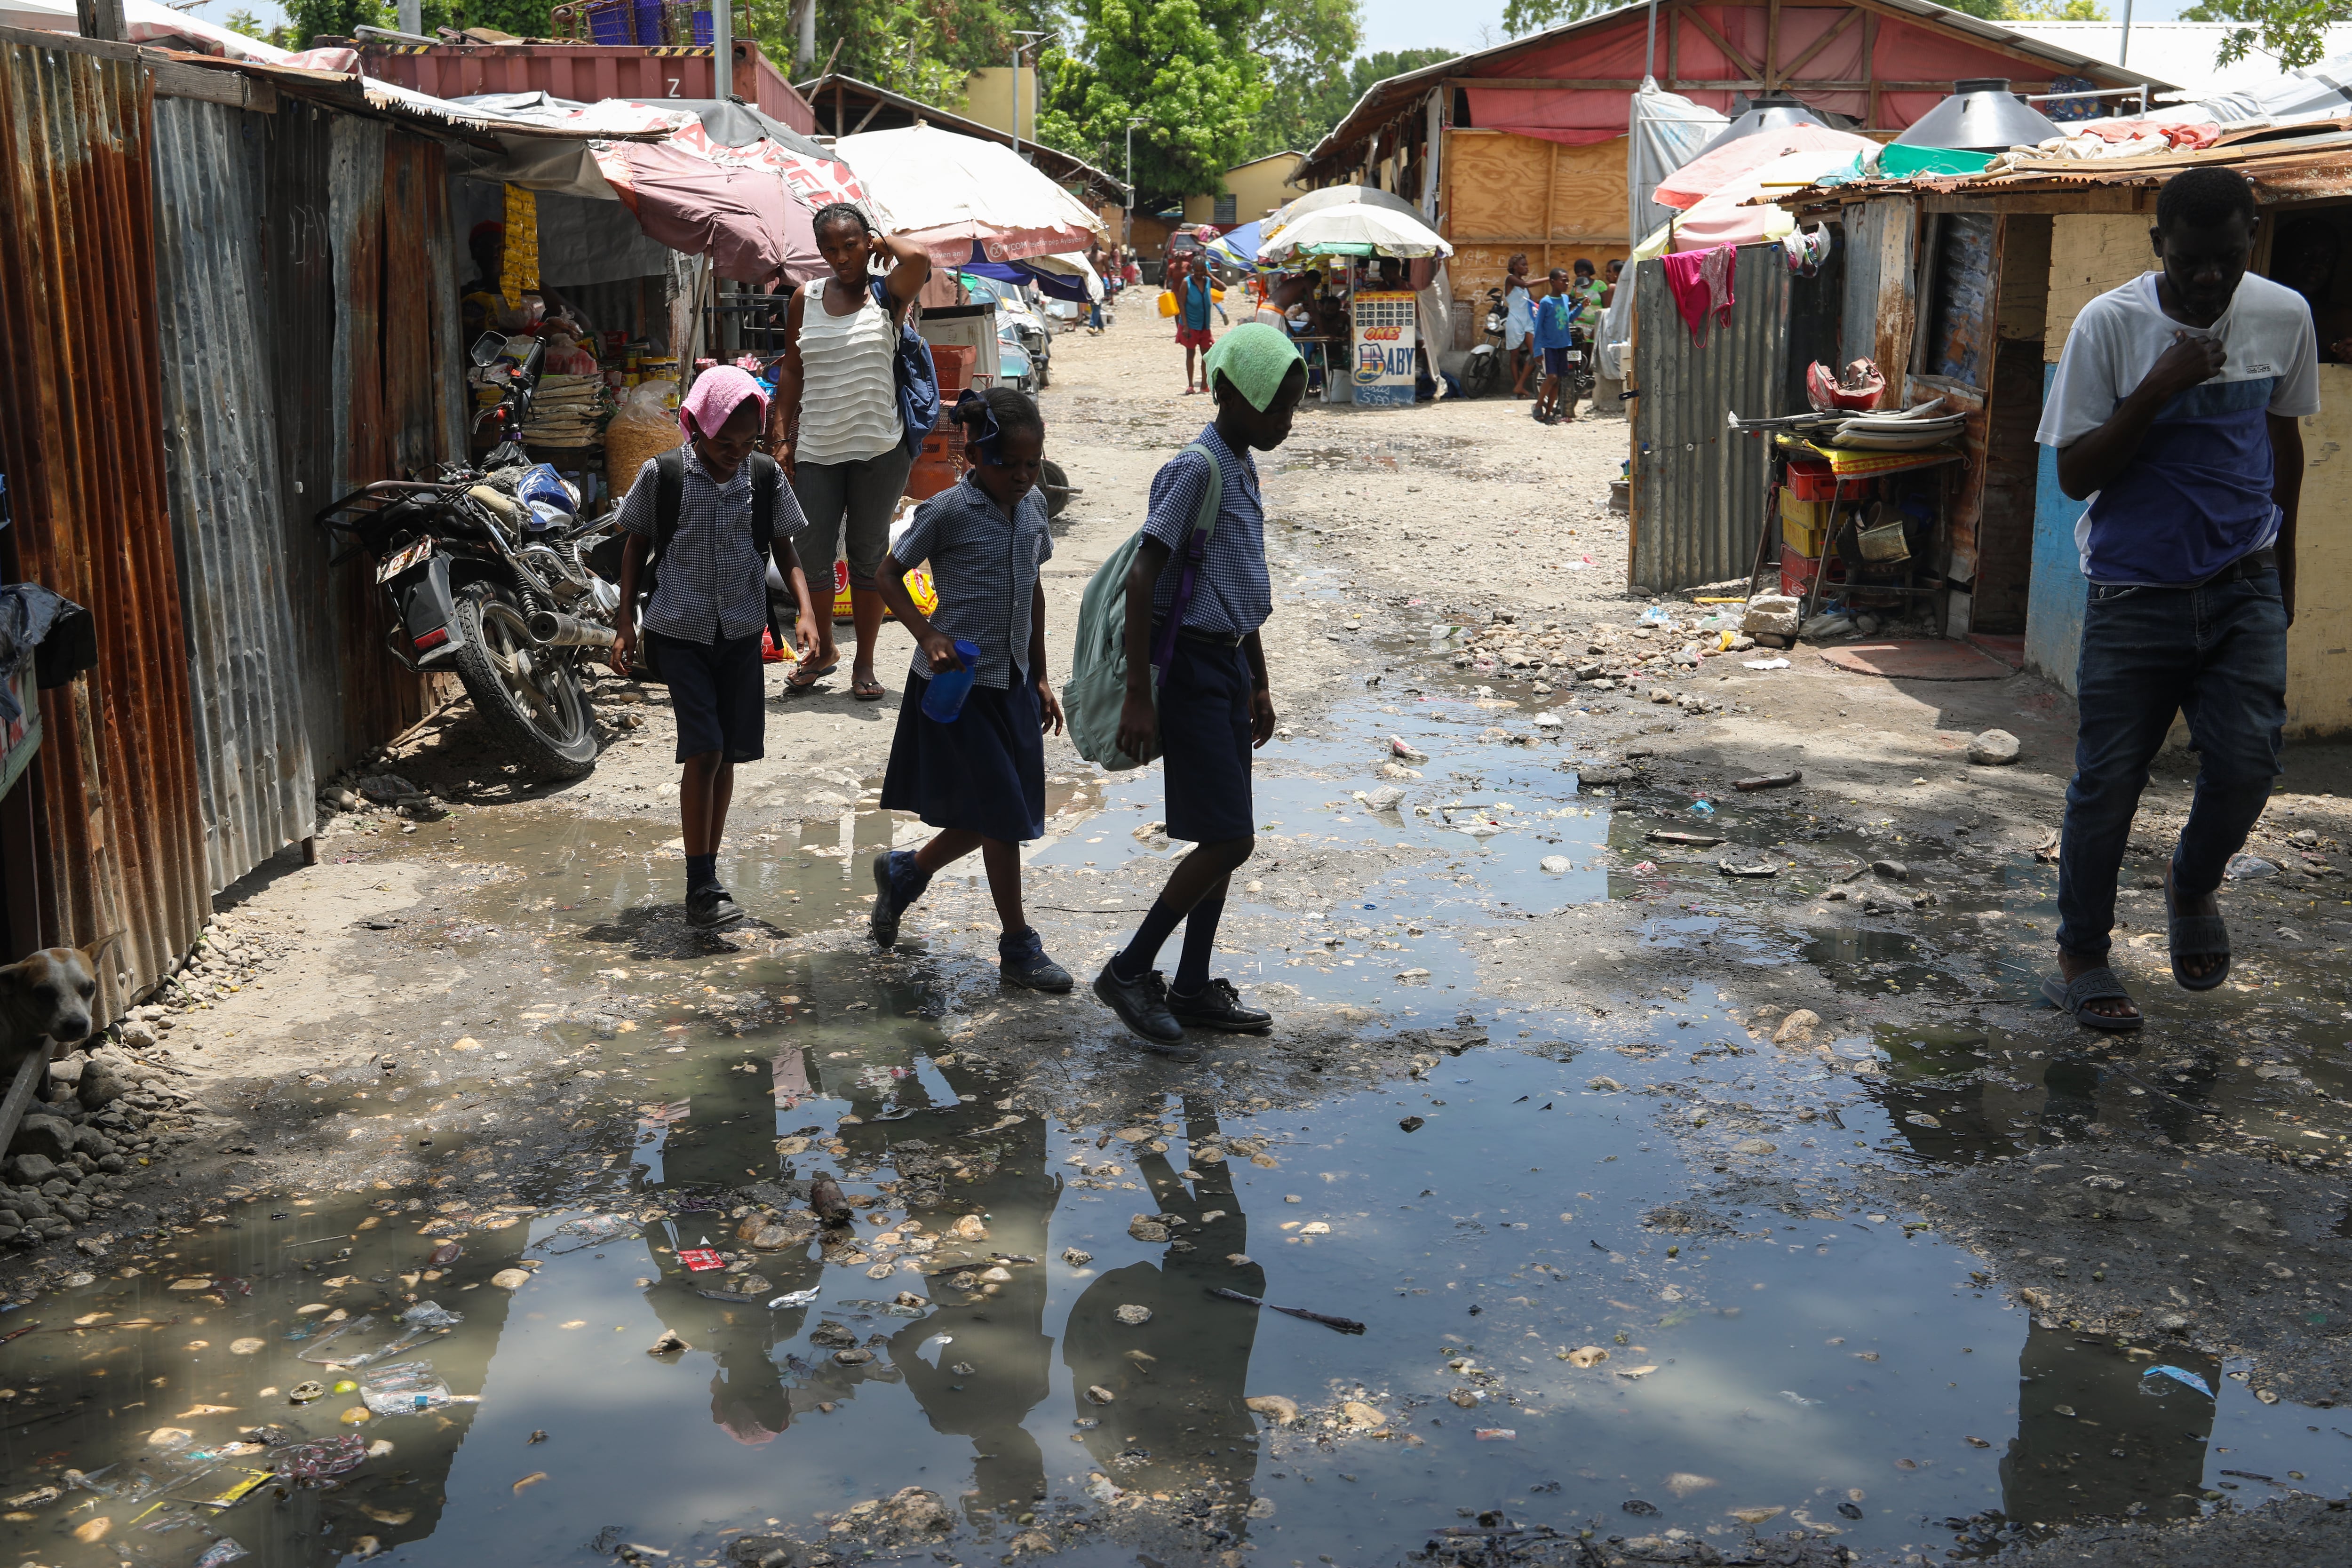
1186 68
1339 92
1521 18
925 50
279 34
1306 46
309 19
2295 31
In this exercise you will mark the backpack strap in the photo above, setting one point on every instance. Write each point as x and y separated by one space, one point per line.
767 475
669 490
1196 547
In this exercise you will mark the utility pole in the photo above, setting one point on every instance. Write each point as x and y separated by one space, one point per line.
807 50
1126 212
722 50
412 17
1035 40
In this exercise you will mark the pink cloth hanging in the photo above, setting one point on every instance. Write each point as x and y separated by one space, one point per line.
1700 281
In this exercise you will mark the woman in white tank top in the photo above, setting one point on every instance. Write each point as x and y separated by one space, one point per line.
834 425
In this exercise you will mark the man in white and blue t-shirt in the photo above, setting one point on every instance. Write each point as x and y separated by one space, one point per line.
2174 415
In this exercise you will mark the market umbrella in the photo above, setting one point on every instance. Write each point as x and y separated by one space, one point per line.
1724 219
1710 171
1239 246
1354 228
948 193
1337 195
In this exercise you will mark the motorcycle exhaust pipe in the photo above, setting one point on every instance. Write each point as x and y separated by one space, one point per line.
552 628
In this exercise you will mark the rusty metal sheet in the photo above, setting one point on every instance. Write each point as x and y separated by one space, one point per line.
122 843
1699 489
589 72
255 776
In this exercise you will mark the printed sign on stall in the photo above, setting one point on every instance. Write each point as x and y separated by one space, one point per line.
1384 345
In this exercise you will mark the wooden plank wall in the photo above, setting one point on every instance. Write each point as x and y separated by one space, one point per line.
1506 192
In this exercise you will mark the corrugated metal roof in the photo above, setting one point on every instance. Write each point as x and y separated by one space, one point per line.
1699 488
2290 163
1383 100
254 774
120 837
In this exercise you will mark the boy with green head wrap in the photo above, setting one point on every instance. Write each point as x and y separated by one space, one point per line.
1214 706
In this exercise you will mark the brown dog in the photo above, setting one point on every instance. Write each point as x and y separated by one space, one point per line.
45 997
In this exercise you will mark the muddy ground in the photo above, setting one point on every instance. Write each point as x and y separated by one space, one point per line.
1822 1100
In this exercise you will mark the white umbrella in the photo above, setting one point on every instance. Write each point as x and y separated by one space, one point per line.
1354 228
947 193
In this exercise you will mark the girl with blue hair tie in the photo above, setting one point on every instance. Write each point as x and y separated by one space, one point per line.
981 778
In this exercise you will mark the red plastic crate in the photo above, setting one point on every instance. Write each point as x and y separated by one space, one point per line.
1811 480
1798 572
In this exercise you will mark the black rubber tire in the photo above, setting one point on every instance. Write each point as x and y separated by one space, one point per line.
1482 374
560 743
1056 482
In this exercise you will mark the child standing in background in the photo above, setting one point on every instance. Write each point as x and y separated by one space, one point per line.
1214 705
980 779
1554 313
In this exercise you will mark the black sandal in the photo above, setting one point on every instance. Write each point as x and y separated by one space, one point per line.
2195 936
2074 998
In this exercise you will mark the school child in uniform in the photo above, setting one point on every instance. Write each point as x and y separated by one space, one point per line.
980 780
1214 706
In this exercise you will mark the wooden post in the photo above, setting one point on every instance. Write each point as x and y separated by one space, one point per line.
102 19
1552 195
1772 45
1870 68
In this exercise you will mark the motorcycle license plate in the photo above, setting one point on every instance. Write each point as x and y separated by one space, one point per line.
1576 356
410 555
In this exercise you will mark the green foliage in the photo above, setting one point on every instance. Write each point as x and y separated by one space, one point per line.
278 34
1521 18
2293 31
1306 46
2052 11
309 19
1186 68
1328 103
923 49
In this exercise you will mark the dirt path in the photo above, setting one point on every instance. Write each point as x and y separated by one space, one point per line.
486 1021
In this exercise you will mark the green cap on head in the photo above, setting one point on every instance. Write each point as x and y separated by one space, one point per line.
1254 357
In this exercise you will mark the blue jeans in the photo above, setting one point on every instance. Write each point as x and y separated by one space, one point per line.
2216 654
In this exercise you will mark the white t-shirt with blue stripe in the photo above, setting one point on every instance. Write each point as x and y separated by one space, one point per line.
2198 496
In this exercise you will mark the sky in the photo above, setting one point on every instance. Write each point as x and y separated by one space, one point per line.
1462 26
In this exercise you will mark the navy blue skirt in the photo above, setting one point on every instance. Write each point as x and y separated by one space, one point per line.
1205 742
984 773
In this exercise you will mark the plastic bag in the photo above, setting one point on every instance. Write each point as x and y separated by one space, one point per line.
432 1315
402 1388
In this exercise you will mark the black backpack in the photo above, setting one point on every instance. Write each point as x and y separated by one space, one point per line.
669 489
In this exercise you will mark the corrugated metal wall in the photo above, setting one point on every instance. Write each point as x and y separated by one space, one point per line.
220 442
1698 489
122 842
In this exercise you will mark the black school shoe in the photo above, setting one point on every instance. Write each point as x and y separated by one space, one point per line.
1142 1005
1021 961
1218 1006
898 883
710 907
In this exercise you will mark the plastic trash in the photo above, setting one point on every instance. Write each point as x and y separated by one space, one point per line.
1655 616
943 698
2180 1374
225 1550
315 1461
1763 664
404 1387
319 1351
432 1315
1702 808
2248 869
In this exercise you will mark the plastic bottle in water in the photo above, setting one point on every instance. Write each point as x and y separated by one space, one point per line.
943 699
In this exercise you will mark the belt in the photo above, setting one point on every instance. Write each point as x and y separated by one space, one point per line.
1214 639
2246 565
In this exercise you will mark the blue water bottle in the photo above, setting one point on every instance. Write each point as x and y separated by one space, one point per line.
943 699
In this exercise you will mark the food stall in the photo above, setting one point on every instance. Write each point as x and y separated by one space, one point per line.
1366 235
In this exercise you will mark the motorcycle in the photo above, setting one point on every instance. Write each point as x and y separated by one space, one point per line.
1481 373
482 585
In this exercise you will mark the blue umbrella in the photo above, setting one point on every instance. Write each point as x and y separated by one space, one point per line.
1239 245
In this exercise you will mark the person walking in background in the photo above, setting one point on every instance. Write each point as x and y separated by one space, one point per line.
1518 322
980 778
1555 319
1616 275
1589 290
1192 301
704 512
1214 704
2174 413
835 422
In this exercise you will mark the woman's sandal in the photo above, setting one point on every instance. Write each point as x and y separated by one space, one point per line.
2074 998
805 679
868 691
2195 936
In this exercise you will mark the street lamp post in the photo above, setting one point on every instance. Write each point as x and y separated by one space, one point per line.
1126 212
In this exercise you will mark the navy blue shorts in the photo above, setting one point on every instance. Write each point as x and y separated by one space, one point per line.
718 693
984 773
1205 743
1556 361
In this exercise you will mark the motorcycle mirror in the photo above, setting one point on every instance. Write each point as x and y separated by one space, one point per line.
487 349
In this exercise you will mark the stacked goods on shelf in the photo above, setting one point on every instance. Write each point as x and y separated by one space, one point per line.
568 411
